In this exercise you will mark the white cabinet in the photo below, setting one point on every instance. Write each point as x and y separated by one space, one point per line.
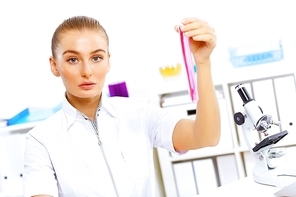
12 144
230 160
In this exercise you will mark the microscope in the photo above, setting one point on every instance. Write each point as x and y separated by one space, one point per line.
268 170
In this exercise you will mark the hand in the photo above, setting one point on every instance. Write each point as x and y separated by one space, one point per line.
202 37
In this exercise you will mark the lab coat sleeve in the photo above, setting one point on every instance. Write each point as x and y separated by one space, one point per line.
161 124
39 175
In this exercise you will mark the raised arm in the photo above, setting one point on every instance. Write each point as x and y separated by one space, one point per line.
205 129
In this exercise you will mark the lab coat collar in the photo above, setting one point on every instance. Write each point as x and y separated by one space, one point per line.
105 103
72 113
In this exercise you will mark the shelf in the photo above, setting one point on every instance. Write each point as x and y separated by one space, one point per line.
11 195
200 154
172 85
230 155
18 127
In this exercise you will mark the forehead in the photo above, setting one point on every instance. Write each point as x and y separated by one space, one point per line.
82 40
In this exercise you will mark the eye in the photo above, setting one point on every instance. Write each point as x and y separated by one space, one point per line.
72 60
97 58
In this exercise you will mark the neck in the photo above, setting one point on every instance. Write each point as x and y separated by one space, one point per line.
87 106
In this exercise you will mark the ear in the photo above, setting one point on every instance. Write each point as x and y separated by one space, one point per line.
53 67
109 62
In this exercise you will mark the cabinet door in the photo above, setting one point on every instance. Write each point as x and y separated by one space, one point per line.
290 154
227 168
286 100
202 175
13 165
5 170
205 175
226 139
184 178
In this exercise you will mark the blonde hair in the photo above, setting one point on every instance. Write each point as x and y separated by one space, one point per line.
78 23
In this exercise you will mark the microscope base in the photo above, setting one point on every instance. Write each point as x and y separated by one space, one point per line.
277 177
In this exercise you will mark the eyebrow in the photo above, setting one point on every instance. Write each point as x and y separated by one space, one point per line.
76 52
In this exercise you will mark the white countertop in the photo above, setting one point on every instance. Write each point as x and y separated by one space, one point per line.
245 187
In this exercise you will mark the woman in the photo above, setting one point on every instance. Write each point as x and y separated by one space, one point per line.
100 146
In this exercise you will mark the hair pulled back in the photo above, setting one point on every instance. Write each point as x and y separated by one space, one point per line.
78 23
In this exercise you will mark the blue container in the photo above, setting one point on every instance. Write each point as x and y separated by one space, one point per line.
256 58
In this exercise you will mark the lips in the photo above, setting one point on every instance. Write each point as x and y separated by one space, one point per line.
87 85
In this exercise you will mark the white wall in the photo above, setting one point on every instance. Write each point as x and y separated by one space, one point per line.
142 38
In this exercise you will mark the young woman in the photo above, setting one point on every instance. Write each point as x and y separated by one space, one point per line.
101 146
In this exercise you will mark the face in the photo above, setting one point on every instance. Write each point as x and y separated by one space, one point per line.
82 61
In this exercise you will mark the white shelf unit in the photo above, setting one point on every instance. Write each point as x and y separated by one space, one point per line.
230 160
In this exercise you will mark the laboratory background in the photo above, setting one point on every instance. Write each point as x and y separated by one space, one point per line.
256 46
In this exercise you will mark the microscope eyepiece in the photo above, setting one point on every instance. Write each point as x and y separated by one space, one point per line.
243 93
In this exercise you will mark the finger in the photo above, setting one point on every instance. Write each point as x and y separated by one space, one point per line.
199 32
188 20
197 25
198 28
177 28
209 39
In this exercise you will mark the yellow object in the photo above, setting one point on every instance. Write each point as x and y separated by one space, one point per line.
169 71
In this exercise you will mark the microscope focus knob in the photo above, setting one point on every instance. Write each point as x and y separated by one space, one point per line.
239 118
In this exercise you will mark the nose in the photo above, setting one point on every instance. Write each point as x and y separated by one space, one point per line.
86 70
